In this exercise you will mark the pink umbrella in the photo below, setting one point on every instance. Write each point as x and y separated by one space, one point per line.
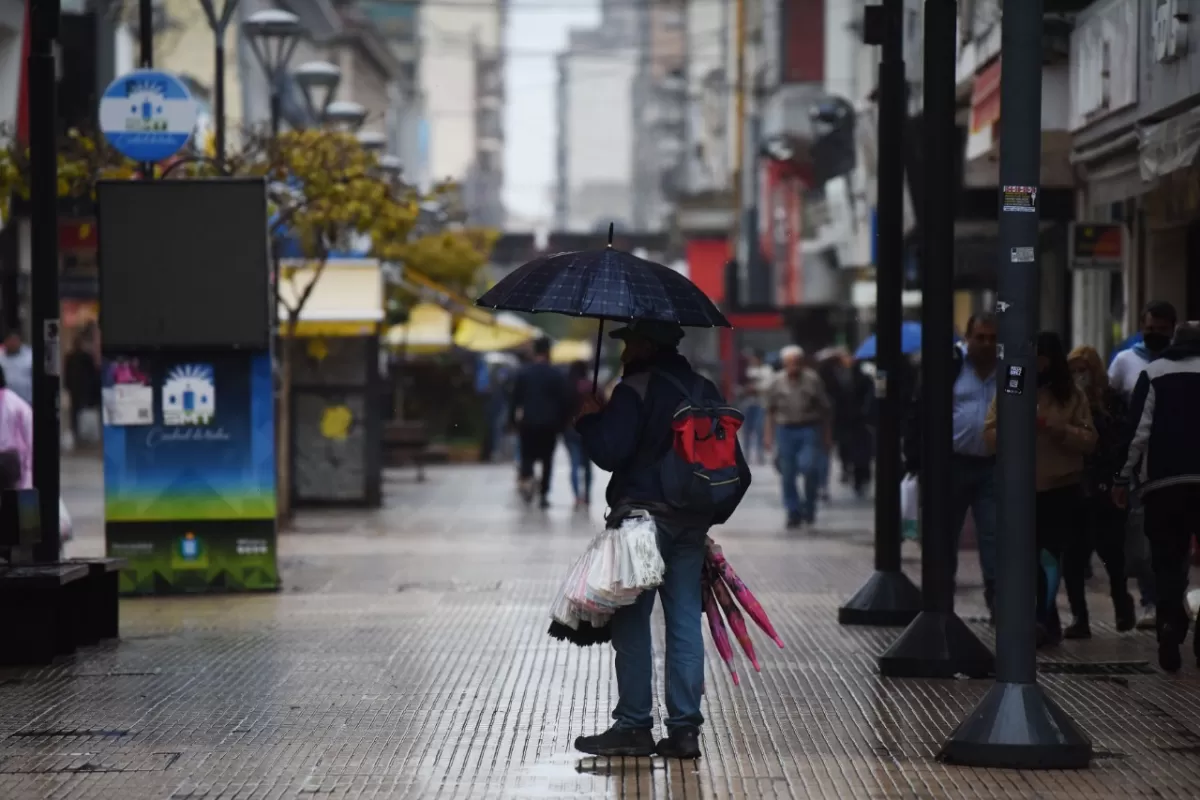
717 627
741 592
737 623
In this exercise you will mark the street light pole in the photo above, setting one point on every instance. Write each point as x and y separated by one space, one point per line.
888 597
273 35
219 24
1015 725
938 644
44 302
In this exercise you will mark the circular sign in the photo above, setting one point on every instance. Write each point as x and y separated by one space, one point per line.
147 115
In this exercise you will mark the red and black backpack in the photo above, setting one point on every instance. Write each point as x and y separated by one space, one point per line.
699 472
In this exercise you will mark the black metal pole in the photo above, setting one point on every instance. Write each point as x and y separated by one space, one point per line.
888 597
276 110
219 97
146 48
44 302
938 644
1016 725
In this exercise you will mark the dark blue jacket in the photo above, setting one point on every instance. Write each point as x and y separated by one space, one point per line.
542 397
633 433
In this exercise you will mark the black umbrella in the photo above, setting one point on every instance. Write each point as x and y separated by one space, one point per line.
604 284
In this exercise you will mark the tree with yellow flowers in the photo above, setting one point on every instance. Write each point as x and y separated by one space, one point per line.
328 194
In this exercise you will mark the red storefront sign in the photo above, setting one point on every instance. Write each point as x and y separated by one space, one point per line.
985 97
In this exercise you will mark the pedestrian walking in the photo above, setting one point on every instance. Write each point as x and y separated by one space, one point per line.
541 407
16 359
1065 437
799 430
1104 532
1164 455
581 466
16 438
758 377
634 436
974 485
1158 326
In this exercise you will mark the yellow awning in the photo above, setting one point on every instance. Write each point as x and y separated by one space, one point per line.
483 338
569 350
347 298
429 330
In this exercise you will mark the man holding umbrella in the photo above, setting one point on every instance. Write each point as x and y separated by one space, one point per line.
630 437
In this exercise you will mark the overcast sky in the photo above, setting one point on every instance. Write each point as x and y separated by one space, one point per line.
536 30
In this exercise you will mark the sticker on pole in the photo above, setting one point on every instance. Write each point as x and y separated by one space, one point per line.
147 115
1019 199
1021 255
1015 383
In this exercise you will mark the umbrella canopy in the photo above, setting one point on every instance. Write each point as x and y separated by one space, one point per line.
910 342
604 284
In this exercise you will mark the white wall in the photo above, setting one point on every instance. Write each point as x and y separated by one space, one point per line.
599 127
709 125
448 78
12 15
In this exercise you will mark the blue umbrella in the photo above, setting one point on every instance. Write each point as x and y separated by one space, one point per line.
604 284
1128 344
910 342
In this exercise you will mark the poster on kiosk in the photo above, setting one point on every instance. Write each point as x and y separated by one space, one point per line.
187 398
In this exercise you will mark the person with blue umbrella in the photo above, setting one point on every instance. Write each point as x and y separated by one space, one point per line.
910 342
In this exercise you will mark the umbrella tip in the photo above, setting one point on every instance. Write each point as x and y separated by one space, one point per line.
779 642
736 681
610 234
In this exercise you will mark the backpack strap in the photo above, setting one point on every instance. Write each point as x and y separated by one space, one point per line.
692 396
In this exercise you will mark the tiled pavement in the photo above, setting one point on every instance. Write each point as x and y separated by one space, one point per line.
406 658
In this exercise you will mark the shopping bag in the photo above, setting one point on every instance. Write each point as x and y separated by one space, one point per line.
910 506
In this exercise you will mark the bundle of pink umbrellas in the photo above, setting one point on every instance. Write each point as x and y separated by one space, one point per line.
720 586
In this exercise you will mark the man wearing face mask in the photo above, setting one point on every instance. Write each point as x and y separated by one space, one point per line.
1158 325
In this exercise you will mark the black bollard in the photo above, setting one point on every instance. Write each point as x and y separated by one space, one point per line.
888 597
1016 726
938 644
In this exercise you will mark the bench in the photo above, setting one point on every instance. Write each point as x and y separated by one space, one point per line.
405 443
49 609
41 605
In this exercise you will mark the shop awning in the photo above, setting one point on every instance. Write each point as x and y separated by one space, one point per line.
1168 146
429 330
483 337
346 298
569 350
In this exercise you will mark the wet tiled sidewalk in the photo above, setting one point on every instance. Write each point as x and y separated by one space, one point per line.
406 658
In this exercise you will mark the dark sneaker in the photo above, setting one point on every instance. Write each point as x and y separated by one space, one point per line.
616 742
1079 629
681 743
794 521
1126 613
544 503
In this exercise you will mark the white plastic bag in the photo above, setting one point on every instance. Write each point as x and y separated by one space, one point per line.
910 506
66 529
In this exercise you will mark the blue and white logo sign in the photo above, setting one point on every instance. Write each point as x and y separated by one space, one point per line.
147 115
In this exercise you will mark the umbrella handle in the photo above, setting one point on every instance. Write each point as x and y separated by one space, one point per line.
596 366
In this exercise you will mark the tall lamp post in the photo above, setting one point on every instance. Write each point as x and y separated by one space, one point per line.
273 35
318 80
346 115
44 302
218 22
372 141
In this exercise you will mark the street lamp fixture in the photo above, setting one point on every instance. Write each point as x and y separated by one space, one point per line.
273 35
346 114
372 141
318 80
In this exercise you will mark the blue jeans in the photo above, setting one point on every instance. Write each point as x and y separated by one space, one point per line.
683 551
974 488
752 430
801 454
581 465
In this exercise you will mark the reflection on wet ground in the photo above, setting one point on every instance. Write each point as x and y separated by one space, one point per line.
407 658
